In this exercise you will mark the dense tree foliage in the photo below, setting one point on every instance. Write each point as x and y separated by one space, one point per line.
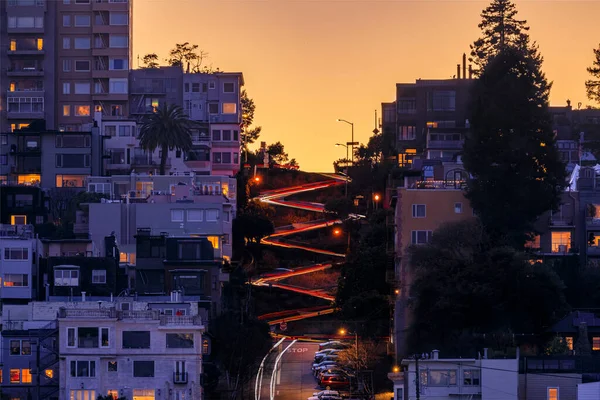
500 30
248 135
464 284
150 60
168 128
592 86
253 222
510 150
187 56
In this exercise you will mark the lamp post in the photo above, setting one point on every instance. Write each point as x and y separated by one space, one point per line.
346 146
343 333
352 125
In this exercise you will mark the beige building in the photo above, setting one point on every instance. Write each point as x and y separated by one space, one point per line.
423 205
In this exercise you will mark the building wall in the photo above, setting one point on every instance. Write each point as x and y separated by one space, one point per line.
164 358
127 218
25 267
103 95
439 209
44 66
535 386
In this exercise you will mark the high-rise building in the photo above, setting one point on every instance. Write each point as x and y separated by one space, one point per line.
27 77
61 60
92 60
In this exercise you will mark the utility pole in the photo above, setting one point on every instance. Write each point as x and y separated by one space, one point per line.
418 383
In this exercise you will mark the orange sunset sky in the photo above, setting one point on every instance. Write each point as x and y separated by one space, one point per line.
307 63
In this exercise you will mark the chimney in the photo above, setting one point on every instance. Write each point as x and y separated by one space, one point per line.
464 65
457 71
435 354
470 71
83 296
485 353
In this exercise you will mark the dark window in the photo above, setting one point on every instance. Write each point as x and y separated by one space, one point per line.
216 134
136 340
196 87
83 369
87 338
112 366
228 88
213 108
235 135
189 251
441 100
20 348
226 134
226 158
180 340
217 158
143 369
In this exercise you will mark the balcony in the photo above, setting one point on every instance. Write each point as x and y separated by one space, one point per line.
146 162
180 377
438 185
558 221
445 144
593 251
26 51
25 71
149 89
592 221
198 139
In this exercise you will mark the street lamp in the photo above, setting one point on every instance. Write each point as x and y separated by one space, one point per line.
337 232
352 125
343 332
346 146
376 198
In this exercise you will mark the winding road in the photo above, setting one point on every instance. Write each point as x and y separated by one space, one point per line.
278 198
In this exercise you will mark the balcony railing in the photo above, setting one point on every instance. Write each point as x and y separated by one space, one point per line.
593 221
180 377
449 184
180 320
144 315
561 221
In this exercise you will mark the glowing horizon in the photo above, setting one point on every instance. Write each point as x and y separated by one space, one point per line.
308 63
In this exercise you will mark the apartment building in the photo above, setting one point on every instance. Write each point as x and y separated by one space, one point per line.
176 205
452 378
22 205
62 60
29 353
20 251
425 104
27 74
213 102
422 205
92 61
140 353
52 159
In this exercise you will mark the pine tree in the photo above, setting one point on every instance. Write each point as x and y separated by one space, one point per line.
500 30
510 151
592 87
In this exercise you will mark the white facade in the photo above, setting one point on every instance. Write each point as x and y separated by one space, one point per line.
457 379
140 354
19 250
588 391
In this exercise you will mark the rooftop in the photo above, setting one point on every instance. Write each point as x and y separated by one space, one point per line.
131 315
16 231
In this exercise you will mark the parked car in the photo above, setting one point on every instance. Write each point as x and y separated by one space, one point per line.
327 351
335 381
333 344
333 394
324 366
335 370
325 357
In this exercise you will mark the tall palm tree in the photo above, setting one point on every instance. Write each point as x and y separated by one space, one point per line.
167 128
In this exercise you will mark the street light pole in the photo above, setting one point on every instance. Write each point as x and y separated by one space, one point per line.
346 146
352 125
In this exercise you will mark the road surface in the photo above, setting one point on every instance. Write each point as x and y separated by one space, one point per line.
296 381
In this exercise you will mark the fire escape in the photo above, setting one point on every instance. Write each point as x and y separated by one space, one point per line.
100 74
45 367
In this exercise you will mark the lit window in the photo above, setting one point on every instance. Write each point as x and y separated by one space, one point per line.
66 111
18 219
82 111
49 373
214 240
40 44
561 242
552 393
229 108
569 342
26 376
123 257
534 243
596 343
205 346
12 87
70 180
15 376
13 45
113 392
